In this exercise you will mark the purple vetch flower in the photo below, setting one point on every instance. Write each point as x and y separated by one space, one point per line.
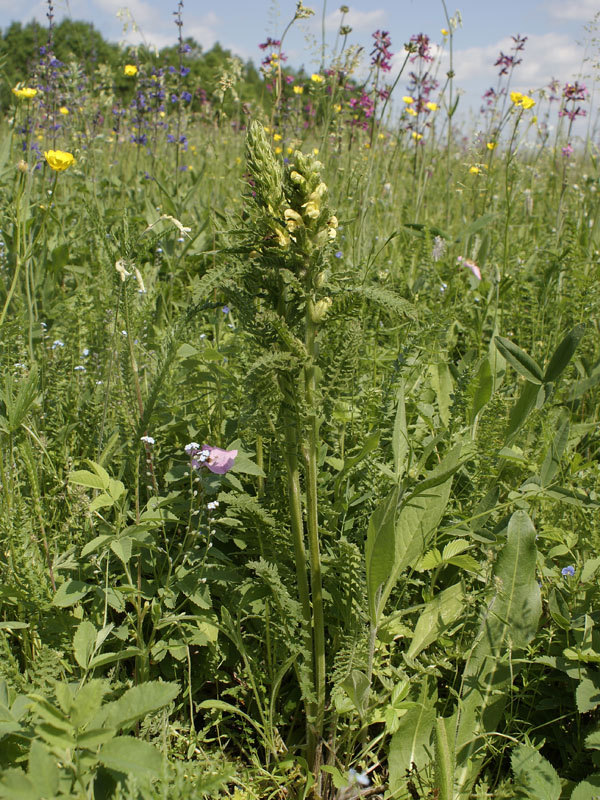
568 572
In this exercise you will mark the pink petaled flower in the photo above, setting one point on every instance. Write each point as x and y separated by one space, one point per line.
466 262
219 461
567 150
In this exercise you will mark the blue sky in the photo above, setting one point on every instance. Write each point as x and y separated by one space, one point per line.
555 28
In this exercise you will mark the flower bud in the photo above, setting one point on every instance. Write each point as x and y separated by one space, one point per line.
22 166
321 308
293 220
312 209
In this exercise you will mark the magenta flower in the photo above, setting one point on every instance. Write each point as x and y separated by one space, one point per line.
466 262
218 461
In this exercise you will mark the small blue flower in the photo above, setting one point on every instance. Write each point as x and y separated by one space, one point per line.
226 309
568 571
339 254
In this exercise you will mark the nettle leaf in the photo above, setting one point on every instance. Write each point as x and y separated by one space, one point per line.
91 480
133 757
534 775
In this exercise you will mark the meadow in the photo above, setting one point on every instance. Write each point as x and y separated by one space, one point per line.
299 430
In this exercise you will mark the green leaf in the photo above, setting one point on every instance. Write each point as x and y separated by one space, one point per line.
509 621
589 789
380 547
83 477
436 617
15 785
520 360
551 461
95 543
110 658
69 593
559 610
588 693
138 701
84 643
593 740
122 547
43 770
534 775
444 757
563 353
482 391
521 409
357 687
400 440
133 757
411 744
441 381
339 781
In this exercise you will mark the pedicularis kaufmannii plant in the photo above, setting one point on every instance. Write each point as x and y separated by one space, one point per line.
286 281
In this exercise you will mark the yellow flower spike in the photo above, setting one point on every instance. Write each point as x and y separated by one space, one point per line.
431 106
408 100
130 70
316 78
25 93
277 137
58 160
298 89
491 145
63 110
312 209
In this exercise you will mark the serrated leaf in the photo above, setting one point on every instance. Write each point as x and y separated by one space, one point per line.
95 544
523 363
588 693
454 547
138 701
589 789
534 775
465 562
133 757
69 593
122 547
593 740
431 560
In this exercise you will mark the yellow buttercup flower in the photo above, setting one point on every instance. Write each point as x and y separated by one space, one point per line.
278 150
298 89
408 100
431 106
491 145
337 108
289 150
474 170
316 151
58 160
416 136
527 102
316 78
130 70
522 100
411 111
444 32
25 93
277 137
63 110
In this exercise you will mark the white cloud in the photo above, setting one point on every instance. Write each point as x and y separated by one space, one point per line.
357 20
581 10
545 56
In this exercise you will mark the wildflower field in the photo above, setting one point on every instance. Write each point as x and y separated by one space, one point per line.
299 426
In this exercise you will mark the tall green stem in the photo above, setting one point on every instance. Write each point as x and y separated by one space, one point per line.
312 516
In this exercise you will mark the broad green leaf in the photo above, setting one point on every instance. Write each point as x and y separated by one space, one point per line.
55 737
465 562
400 440
69 593
431 560
84 477
95 544
482 390
15 785
43 770
444 757
441 380
101 473
589 789
551 461
436 617
122 547
520 360
588 693
380 547
88 701
454 547
110 658
593 740
521 409
115 488
563 353
533 774
138 701
357 686
90 739
411 744
133 757
559 610
339 781
510 620
84 643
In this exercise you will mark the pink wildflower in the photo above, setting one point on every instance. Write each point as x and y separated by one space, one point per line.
218 460
466 262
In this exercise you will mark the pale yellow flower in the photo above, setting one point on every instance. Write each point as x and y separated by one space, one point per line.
416 136
411 111
58 160
474 170
316 151
444 32
277 137
278 150
337 108
130 70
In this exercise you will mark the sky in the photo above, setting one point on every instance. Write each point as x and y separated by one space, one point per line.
556 33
